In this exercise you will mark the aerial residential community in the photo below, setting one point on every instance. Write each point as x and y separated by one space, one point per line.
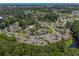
43 29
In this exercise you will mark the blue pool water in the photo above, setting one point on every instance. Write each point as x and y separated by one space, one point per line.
73 45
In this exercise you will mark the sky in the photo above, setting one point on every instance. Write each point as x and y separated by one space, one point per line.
39 1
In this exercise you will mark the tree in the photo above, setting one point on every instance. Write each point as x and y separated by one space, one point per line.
23 23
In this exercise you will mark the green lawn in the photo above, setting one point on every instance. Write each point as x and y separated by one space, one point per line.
49 30
68 42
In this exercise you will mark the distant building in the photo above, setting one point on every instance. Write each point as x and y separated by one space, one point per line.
14 27
31 26
1 17
75 13
66 36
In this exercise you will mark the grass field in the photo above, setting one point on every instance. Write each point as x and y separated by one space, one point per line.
49 30
69 41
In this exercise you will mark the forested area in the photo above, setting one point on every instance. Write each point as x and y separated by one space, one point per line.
9 46
12 16
75 27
